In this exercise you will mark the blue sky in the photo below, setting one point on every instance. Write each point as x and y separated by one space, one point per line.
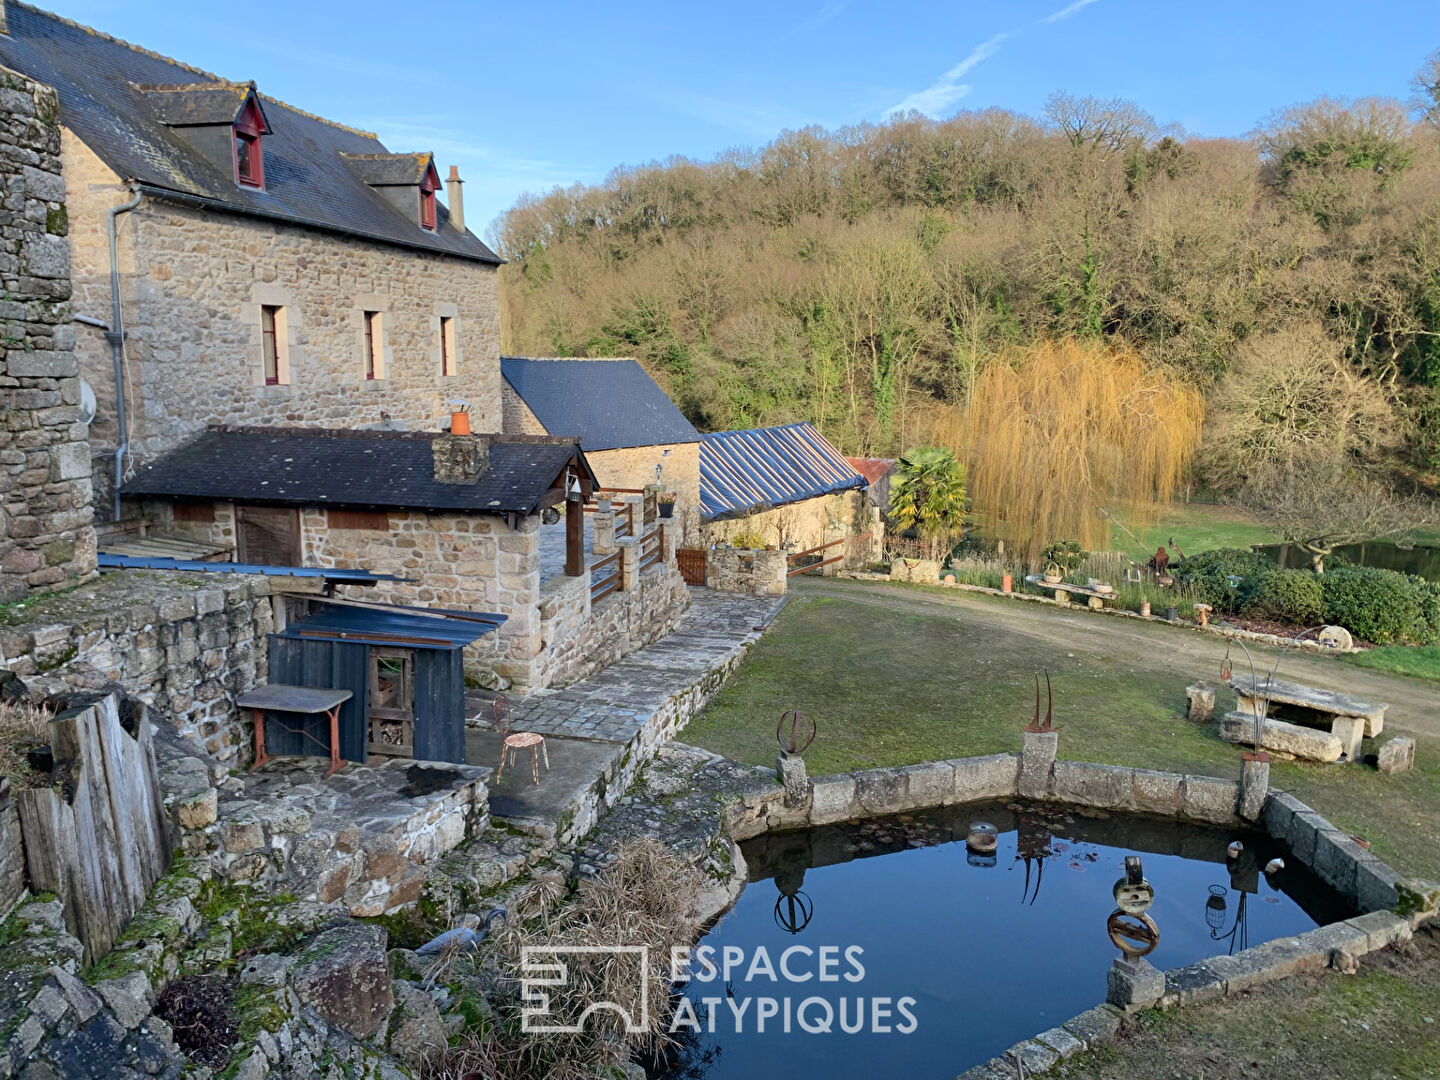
524 96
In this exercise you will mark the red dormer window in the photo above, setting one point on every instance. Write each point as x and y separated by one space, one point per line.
249 161
429 184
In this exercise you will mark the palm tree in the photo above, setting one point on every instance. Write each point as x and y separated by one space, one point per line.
927 496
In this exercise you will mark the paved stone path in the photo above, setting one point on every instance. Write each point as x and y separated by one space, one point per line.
615 703
600 732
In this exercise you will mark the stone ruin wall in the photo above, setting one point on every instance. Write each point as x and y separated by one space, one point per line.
46 539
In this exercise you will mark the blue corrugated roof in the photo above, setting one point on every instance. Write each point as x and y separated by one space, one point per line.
393 624
742 472
607 404
157 562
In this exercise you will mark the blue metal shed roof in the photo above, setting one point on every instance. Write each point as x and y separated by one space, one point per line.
607 404
393 624
157 562
742 472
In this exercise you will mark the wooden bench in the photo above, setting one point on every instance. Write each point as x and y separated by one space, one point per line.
1345 717
1094 599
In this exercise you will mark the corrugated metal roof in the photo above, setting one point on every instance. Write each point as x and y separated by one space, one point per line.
110 561
607 404
394 624
742 472
873 469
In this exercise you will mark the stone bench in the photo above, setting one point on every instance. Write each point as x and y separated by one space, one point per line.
1295 740
1094 599
1315 708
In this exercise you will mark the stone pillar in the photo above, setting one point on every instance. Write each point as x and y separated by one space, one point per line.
603 523
1202 702
1134 984
629 562
1350 730
1396 756
791 771
1036 760
668 531
1254 785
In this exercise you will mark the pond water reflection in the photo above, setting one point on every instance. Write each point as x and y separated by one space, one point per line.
981 950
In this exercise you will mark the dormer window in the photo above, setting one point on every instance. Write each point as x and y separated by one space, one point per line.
249 159
428 186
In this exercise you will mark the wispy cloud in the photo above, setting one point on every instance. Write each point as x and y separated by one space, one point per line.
948 89
754 120
1067 11
817 19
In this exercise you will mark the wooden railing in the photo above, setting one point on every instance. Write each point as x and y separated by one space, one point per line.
790 560
607 582
652 548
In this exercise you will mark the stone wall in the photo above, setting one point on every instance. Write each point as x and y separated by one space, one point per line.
846 515
634 467
516 417
578 637
46 538
184 644
192 284
746 571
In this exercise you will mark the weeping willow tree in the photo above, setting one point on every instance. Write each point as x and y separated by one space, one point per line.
1065 430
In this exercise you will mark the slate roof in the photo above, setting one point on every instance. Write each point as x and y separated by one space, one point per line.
608 404
108 99
391 470
743 472
198 103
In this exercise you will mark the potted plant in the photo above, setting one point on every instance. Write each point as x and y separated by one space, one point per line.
667 504
1053 574
602 503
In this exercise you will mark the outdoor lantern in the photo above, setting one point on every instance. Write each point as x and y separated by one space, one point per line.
1215 907
572 492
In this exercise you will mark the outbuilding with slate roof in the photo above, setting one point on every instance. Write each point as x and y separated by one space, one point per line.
623 419
270 266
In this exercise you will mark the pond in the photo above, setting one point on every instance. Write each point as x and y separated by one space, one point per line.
1420 560
931 959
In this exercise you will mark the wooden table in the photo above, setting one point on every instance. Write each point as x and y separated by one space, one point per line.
304 700
1093 598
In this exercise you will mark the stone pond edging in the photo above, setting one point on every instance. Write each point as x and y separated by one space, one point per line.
1391 907
1030 598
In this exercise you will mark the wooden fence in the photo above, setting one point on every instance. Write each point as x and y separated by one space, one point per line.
608 581
97 836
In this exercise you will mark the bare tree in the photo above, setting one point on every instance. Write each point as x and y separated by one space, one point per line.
1322 503
1110 126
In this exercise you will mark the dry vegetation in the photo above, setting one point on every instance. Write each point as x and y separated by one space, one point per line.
873 279
643 898
22 726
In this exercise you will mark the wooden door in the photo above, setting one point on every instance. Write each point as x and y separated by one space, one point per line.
692 564
267 535
392 701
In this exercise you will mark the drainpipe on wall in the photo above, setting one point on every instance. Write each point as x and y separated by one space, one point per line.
115 335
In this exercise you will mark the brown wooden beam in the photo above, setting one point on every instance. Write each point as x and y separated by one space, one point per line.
574 538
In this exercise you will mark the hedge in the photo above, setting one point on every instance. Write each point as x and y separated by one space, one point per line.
1207 575
1289 596
1383 606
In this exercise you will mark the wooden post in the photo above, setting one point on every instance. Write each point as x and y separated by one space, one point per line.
574 538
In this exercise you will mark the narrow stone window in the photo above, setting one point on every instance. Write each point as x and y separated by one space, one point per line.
447 345
374 346
270 321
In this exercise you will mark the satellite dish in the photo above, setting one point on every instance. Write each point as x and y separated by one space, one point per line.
87 402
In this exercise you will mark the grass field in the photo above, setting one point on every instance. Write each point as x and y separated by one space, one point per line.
1416 661
894 688
1195 526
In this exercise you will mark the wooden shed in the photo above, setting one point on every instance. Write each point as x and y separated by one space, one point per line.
404 668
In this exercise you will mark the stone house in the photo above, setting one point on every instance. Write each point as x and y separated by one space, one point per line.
236 260
789 487
458 519
626 424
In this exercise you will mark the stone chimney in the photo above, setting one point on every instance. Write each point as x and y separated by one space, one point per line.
460 459
455 197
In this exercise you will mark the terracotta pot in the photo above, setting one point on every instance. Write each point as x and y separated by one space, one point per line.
1007 583
459 423
1144 609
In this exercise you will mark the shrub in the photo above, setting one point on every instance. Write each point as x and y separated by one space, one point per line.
1383 606
1207 575
1066 554
1289 596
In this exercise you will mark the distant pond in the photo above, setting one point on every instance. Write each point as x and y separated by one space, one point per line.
1420 560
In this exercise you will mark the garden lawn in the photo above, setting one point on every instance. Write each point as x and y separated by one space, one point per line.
1416 661
1195 526
895 687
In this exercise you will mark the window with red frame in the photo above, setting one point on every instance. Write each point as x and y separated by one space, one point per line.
249 158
